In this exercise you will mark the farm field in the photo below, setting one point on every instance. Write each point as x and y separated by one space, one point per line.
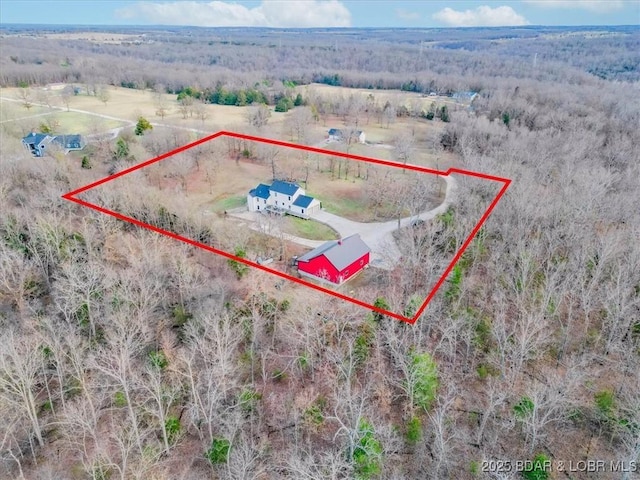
130 104
396 97
127 105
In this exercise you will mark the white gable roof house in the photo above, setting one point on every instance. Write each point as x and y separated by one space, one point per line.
337 135
282 197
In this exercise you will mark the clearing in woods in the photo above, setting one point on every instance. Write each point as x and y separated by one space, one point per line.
366 294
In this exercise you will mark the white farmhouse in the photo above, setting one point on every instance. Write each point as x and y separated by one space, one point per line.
349 136
283 197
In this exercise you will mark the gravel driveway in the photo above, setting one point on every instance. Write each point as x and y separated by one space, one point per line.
377 235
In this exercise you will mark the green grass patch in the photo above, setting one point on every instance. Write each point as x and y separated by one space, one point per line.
358 209
229 203
309 229
69 123
350 208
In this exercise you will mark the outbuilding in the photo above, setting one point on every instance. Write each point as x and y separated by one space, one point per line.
335 261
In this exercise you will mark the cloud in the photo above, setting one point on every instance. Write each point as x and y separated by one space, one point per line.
270 13
597 6
406 15
483 16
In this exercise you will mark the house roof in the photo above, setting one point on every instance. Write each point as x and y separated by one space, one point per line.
340 253
66 140
465 94
261 191
35 138
339 133
303 201
286 188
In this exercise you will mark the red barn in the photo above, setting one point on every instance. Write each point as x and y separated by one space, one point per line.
335 261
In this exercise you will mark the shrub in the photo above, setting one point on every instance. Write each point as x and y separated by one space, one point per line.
538 469
284 105
605 401
219 451
367 454
278 375
454 282
382 304
412 306
303 361
158 359
483 371
119 399
414 430
172 427
249 400
424 373
142 125
314 414
86 163
181 316
363 342
523 408
239 268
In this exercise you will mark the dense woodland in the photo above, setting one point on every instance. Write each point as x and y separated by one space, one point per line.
127 355
424 60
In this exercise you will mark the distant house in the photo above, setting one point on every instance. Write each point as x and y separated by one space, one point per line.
36 143
338 135
335 261
39 143
464 96
283 197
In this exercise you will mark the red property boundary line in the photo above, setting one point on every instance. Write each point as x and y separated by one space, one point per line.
72 197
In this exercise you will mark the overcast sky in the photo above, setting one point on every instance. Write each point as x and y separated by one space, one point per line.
323 13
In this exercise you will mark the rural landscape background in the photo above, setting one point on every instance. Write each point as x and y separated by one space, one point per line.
129 355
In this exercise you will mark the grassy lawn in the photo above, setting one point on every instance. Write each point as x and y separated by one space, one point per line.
362 150
73 122
358 210
228 203
309 229
12 111
351 208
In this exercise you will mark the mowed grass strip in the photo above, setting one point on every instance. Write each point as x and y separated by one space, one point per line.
79 123
309 229
229 203
353 208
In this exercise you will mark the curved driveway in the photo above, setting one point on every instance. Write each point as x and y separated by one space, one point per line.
377 235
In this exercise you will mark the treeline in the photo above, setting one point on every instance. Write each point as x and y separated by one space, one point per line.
262 93
416 62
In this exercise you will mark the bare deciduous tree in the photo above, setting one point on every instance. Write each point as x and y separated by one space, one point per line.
21 377
258 116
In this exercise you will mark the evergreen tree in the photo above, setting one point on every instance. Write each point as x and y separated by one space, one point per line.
142 125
